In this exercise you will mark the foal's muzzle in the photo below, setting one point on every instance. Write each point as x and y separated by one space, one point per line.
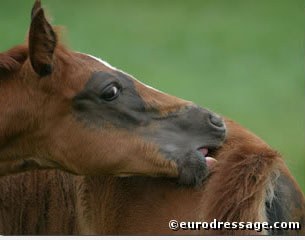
182 134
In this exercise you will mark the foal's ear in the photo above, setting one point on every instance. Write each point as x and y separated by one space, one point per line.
42 41
35 8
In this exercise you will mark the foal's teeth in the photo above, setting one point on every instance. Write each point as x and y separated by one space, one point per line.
210 161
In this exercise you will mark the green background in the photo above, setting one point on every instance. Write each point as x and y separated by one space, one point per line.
243 59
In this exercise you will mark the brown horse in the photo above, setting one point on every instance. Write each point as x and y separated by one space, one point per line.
249 183
68 110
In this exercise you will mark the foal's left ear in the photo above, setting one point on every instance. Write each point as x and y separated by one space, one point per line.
42 42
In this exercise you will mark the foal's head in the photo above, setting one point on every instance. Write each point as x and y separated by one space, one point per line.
72 111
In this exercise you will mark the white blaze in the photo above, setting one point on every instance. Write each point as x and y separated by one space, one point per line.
115 69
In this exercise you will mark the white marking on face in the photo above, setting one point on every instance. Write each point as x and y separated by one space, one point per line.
103 62
116 69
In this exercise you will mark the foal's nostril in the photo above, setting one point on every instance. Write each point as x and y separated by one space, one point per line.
216 120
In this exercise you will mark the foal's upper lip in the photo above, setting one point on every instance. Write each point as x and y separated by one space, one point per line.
203 150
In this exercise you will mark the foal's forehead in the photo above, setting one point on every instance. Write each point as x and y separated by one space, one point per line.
96 63
106 64
107 67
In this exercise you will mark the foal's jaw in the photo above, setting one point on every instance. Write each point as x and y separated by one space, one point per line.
86 117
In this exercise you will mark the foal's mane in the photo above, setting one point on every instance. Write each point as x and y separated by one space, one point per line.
12 59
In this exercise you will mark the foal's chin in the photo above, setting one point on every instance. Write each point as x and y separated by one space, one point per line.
194 166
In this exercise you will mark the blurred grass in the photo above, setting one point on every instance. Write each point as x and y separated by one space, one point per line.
243 59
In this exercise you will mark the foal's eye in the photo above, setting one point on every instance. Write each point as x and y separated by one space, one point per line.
111 92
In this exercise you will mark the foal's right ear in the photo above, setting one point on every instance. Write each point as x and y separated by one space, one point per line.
42 41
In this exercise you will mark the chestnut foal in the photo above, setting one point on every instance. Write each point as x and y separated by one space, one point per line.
68 110
249 182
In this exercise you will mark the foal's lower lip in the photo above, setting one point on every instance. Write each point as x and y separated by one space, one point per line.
210 161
